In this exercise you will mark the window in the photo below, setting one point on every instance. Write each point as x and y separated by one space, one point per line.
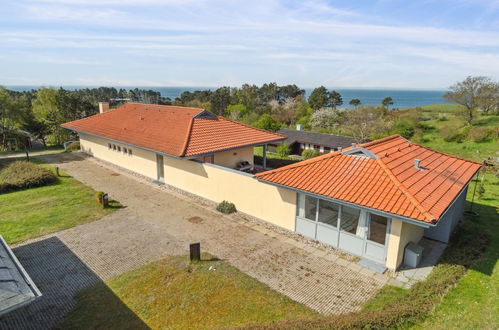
109 146
349 219
310 207
328 212
119 148
130 151
316 147
327 149
114 146
125 150
377 229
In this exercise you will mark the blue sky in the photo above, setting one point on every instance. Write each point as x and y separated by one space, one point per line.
420 44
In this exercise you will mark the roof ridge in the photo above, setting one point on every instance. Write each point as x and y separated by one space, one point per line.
402 188
388 138
183 151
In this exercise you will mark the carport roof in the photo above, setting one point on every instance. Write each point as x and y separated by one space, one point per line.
172 130
382 175
16 287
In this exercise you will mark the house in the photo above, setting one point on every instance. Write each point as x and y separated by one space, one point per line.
370 199
299 140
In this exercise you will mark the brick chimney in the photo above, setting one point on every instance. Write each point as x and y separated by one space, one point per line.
103 107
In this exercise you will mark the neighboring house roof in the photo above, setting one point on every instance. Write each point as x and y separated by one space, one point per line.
172 130
330 140
381 175
16 287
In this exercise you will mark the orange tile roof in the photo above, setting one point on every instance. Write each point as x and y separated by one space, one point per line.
388 182
173 130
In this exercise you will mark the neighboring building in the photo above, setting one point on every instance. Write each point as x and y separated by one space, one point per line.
16 287
370 200
299 140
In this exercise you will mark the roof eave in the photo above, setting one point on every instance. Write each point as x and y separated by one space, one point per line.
416 222
122 142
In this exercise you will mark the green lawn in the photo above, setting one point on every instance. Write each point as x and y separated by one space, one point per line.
176 294
38 211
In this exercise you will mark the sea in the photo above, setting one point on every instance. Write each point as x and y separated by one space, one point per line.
401 98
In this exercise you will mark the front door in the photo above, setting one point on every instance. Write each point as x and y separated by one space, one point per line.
160 168
375 248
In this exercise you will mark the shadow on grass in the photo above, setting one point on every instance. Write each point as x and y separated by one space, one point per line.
61 276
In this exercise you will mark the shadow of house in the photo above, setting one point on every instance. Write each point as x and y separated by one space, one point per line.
60 275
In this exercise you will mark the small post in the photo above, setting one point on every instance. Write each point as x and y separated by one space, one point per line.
27 155
105 200
264 156
57 171
195 251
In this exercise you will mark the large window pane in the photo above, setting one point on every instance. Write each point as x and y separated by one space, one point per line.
328 212
310 207
349 219
377 229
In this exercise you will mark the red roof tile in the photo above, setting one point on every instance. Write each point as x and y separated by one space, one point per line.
389 182
173 130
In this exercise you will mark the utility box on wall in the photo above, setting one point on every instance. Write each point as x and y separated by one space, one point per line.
413 254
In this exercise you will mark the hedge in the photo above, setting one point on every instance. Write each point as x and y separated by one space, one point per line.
22 175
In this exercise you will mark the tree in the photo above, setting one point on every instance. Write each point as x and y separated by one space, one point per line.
220 99
488 97
268 123
355 103
365 122
318 99
324 118
387 101
309 153
282 150
237 111
469 93
335 99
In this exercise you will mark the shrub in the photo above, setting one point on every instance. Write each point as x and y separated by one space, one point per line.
442 117
452 134
226 207
309 153
75 146
481 134
283 150
404 128
22 175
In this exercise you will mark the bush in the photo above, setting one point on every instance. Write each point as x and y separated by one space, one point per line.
75 146
481 134
22 175
282 150
309 153
452 134
226 207
404 128
442 117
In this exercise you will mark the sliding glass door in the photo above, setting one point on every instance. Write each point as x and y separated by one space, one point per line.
348 228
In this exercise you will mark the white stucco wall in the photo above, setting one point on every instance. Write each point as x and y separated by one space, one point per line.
140 161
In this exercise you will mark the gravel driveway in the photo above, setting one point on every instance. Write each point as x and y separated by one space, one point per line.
155 224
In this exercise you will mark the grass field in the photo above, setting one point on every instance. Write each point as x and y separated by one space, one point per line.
474 302
176 294
39 151
38 211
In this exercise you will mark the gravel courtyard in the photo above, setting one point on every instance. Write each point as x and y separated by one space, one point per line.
155 224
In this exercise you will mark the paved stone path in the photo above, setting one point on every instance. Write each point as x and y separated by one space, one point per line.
155 224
